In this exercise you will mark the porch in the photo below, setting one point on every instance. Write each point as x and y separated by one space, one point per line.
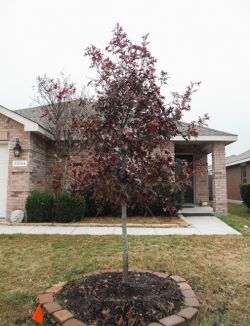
196 152
196 210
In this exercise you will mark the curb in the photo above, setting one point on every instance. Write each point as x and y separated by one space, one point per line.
183 224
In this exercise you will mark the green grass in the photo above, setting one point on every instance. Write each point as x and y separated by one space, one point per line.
217 267
238 218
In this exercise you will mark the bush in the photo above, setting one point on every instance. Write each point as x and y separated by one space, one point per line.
137 209
245 194
40 207
103 209
174 203
68 209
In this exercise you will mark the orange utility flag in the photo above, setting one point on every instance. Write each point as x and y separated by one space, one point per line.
38 315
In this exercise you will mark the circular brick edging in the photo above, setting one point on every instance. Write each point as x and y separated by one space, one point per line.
62 317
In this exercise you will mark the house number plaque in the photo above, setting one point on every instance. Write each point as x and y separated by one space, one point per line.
20 163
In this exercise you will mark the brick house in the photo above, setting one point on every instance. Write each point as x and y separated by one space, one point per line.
238 172
21 175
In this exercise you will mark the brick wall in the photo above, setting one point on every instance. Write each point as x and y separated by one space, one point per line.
18 177
233 182
23 179
248 172
219 179
38 162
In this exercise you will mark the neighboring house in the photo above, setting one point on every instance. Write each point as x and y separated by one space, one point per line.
238 172
31 171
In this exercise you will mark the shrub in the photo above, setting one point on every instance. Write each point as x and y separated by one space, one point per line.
40 207
69 208
137 209
103 209
245 194
174 203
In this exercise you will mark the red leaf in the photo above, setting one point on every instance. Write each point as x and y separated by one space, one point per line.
120 321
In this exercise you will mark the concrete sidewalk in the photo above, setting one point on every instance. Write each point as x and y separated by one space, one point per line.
200 225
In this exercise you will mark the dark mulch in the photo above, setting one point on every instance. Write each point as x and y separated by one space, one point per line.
102 299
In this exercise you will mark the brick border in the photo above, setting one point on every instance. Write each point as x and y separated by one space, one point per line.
62 317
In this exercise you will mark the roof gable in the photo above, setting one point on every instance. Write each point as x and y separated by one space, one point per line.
28 124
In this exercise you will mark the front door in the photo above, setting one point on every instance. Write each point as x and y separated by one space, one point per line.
189 192
3 178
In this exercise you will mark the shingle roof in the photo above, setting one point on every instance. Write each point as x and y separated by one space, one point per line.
237 159
35 114
204 131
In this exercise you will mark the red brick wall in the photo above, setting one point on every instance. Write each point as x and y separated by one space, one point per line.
248 172
233 182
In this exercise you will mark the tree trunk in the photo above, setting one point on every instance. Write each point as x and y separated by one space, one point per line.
124 244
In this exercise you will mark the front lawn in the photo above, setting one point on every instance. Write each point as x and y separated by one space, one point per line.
238 218
216 266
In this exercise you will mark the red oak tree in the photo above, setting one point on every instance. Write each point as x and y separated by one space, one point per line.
129 133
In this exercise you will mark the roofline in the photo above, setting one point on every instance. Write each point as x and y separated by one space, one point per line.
225 138
28 124
212 129
238 162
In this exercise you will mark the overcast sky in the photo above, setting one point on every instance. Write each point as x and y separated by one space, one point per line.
194 40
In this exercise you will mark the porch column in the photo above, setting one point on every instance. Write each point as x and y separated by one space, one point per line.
219 179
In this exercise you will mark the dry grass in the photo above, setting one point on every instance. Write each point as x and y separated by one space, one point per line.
137 220
217 267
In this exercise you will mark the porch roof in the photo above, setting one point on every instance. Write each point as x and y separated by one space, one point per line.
205 139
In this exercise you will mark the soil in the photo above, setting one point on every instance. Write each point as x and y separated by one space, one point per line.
102 299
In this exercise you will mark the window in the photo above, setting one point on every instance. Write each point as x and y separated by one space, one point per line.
243 174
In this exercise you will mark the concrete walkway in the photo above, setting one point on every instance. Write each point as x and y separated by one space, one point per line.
196 210
200 225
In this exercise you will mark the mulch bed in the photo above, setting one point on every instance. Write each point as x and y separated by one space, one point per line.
102 299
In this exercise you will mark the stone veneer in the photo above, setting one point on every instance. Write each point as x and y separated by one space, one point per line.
60 316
